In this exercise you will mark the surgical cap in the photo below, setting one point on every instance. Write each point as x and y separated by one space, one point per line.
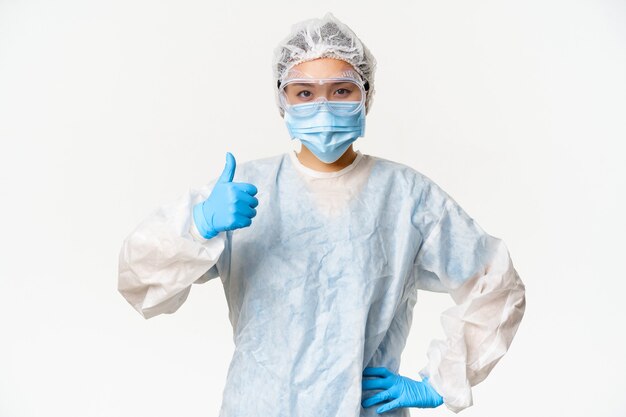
323 38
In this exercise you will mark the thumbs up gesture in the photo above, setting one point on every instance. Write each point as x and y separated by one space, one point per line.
230 206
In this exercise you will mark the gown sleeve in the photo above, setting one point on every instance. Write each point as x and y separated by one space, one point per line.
475 268
165 255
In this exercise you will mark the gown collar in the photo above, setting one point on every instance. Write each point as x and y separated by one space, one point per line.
319 174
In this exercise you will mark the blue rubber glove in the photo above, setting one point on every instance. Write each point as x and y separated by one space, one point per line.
230 206
399 390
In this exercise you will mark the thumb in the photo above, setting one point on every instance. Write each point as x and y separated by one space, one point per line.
229 169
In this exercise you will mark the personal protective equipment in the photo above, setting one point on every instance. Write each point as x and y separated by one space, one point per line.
326 114
325 133
323 284
323 38
300 88
230 206
399 390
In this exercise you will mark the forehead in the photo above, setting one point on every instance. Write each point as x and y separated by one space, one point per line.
323 67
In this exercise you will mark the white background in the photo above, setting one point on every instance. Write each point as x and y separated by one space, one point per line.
109 109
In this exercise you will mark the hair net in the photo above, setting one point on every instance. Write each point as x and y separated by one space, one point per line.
324 38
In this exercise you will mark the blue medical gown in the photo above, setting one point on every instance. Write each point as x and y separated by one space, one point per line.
324 281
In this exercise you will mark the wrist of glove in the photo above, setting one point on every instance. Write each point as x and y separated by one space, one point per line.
204 227
397 391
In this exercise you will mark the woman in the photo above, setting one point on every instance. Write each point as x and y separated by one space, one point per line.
321 254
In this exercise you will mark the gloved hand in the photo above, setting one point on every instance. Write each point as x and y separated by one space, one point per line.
230 206
399 390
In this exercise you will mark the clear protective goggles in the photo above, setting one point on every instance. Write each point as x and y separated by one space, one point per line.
303 95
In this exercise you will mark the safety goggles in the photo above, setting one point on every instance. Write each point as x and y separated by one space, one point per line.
302 95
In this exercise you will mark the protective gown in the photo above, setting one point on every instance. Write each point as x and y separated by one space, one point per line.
324 281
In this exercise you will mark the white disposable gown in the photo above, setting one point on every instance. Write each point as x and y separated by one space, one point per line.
324 281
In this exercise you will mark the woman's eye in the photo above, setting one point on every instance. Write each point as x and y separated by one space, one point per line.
343 91
304 94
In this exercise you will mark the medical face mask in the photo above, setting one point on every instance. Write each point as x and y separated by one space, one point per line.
325 132
326 114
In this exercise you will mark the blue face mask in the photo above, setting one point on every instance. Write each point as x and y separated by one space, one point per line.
325 133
